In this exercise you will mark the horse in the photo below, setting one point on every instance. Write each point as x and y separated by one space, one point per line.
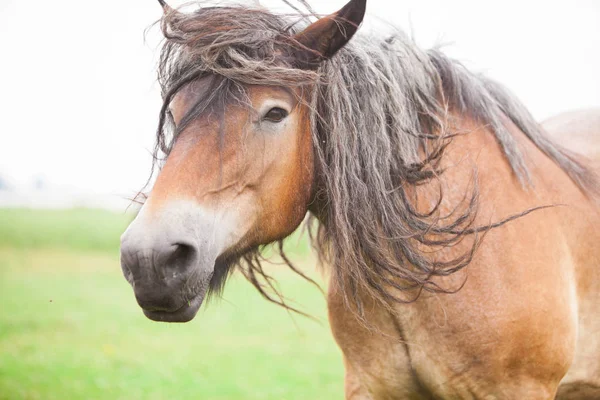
460 239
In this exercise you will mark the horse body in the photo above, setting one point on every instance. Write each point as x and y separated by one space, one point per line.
527 312
579 131
462 242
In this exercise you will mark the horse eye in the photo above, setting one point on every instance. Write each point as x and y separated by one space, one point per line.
275 114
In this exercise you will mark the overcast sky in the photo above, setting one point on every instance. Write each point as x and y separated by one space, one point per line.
79 102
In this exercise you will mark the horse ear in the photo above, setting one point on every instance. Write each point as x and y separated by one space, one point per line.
322 39
166 8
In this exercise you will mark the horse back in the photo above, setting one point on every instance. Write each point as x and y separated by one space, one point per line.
578 131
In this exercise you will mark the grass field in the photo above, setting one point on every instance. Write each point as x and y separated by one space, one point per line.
70 327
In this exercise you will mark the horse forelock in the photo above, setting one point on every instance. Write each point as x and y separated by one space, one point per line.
380 123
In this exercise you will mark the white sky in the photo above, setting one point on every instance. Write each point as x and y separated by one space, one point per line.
79 104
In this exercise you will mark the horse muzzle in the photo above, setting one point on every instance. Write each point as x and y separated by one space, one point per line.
169 260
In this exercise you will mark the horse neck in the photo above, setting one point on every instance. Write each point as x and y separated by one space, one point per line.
462 148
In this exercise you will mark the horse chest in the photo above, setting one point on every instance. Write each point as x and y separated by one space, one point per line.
439 349
390 365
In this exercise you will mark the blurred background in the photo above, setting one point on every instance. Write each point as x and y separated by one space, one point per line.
79 106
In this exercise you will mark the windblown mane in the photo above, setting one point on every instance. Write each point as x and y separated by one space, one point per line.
380 119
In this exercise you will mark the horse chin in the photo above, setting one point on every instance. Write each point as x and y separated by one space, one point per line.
180 306
185 313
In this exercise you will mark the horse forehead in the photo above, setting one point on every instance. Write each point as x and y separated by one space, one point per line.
185 98
258 94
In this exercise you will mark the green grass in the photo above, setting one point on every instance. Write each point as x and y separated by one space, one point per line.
70 327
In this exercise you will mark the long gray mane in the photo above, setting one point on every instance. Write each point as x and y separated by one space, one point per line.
380 119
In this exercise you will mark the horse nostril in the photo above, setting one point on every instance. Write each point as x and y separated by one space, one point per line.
171 263
180 260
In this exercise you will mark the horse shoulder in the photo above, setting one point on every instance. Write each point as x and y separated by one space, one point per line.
579 131
511 329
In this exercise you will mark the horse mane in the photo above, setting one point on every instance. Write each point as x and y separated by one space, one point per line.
380 116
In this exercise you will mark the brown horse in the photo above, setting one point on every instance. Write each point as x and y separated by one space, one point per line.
461 240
